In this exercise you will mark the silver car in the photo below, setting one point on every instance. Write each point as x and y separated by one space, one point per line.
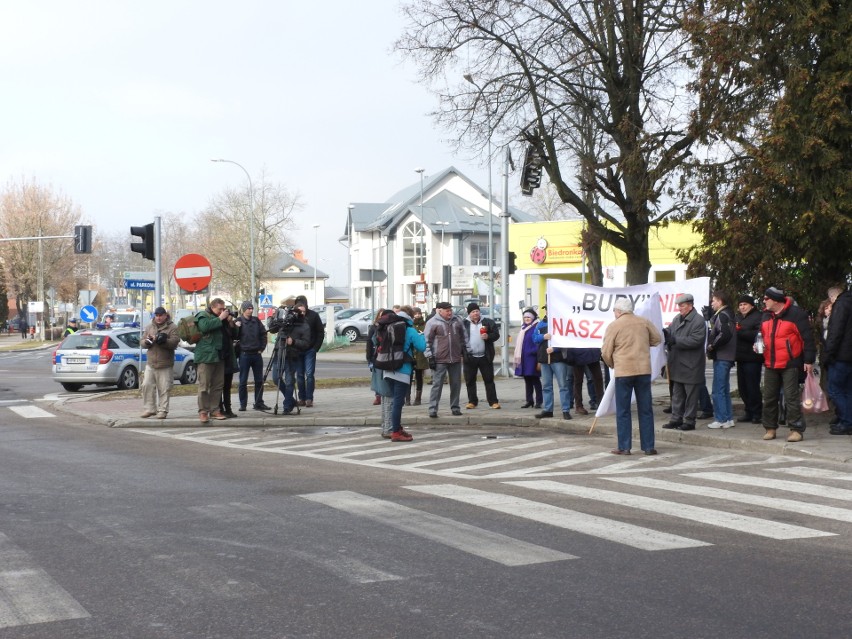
355 327
110 358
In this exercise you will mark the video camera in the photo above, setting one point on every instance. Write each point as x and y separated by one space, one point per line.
283 320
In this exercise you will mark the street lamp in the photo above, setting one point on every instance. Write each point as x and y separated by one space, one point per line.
251 227
422 229
443 225
316 261
469 78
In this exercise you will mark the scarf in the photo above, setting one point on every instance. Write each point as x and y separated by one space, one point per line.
519 346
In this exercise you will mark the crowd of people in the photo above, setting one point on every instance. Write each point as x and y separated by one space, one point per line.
773 349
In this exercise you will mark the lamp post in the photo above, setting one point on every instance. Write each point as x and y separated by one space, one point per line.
469 78
422 229
316 261
251 227
443 225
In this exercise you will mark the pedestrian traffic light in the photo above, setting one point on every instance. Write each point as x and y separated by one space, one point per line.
512 266
82 239
531 175
146 246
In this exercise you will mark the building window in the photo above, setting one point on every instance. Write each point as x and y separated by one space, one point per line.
413 249
479 254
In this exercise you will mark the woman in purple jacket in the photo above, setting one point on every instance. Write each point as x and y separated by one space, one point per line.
526 360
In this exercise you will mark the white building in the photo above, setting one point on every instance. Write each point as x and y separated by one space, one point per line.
398 249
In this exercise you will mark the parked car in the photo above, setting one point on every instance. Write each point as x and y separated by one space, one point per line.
355 327
346 313
110 358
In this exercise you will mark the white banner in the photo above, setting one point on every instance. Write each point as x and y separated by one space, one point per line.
578 314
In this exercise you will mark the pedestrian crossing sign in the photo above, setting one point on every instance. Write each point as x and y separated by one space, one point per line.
266 301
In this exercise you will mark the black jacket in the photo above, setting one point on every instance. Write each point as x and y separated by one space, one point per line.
748 327
301 334
838 343
252 335
493 335
317 328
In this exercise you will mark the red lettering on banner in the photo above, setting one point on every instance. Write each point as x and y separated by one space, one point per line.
582 328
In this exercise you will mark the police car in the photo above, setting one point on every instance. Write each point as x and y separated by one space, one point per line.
110 358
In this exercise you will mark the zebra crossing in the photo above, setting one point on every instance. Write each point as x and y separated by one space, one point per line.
26 410
455 454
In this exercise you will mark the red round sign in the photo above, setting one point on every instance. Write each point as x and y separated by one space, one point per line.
193 272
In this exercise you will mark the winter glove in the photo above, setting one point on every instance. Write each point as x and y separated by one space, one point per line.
707 312
161 338
433 363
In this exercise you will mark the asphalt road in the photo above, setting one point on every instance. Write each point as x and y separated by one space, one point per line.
334 533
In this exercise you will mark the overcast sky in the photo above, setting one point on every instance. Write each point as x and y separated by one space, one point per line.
121 106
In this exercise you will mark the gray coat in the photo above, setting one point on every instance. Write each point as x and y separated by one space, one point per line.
686 338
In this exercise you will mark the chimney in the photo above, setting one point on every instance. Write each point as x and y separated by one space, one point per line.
299 254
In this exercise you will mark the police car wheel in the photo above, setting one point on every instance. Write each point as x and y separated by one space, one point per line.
129 379
190 374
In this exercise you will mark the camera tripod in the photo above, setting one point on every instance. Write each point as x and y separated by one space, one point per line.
279 357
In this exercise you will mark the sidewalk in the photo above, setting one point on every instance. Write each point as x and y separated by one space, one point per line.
352 406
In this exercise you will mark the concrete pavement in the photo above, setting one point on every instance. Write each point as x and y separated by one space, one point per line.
352 406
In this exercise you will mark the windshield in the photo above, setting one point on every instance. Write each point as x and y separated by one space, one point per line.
126 318
81 342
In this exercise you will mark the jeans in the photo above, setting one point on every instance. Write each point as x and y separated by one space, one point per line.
306 379
400 392
748 383
287 383
485 367
250 362
840 391
723 410
564 376
625 387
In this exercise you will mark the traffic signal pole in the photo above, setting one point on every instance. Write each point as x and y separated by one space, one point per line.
504 268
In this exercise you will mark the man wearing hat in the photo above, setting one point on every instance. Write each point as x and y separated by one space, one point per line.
71 328
305 380
686 337
749 363
161 339
788 347
251 334
480 336
445 350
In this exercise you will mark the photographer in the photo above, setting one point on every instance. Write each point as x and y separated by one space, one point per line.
305 379
293 339
209 360
161 339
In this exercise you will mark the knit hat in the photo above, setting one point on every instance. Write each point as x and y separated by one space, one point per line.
775 294
160 311
301 299
473 306
247 304
531 313
747 299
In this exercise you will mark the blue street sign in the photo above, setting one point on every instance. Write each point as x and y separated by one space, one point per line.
143 284
266 301
89 313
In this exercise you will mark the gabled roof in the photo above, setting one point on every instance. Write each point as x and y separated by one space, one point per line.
288 267
443 207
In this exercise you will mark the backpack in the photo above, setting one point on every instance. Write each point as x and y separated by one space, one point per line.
188 330
390 341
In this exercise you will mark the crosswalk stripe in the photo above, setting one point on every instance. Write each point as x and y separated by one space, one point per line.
541 470
722 519
30 412
384 447
814 510
477 455
28 594
471 539
608 529
814 473
429 452
276 442
513 460
778 484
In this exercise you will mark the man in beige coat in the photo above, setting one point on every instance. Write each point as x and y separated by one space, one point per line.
161 339
627 350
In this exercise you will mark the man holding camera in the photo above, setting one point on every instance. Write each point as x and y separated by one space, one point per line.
293 339
305 380
161 339
209 360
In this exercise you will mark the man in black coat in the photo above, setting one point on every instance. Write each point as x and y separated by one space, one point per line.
480 334
292 343
305 379
837 358
749 363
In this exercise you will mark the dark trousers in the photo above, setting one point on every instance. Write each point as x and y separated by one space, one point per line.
250 363
485 367
748 383
597 379
532 386
774 381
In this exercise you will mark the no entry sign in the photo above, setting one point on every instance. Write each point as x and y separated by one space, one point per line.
193 272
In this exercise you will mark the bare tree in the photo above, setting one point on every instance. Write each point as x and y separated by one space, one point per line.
546 67
226 228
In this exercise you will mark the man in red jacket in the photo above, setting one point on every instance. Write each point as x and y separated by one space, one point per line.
788 346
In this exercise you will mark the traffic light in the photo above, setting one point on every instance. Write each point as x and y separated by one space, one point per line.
531 175
82 239
146 246
512 266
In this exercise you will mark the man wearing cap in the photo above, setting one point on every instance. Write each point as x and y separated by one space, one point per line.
788 347
252 336
685 337
71 328
305 379
749 363
445 349
161 339
480 336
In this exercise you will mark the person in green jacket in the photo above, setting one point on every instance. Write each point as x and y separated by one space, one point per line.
209 360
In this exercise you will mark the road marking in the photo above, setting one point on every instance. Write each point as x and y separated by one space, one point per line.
28 594
471 539
539 471
814 510
814 473
608 529
513 460
476 455
31 412
778 484
722 519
